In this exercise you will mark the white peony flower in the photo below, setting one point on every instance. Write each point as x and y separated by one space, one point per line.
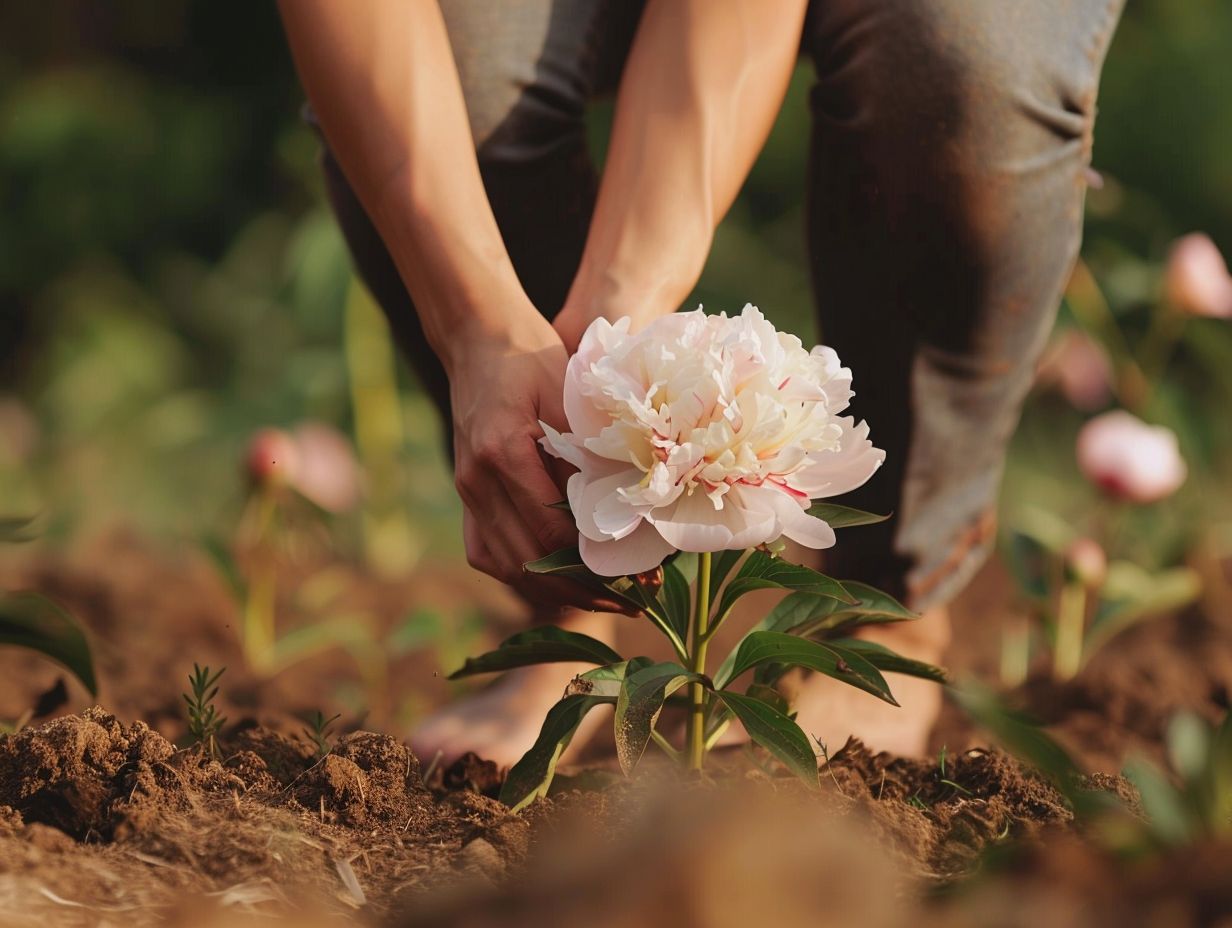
1130 460
703 433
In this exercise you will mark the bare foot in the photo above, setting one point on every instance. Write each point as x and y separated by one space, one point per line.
830 711
502 721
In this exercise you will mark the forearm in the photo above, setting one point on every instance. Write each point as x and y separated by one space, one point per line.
701 88
381 77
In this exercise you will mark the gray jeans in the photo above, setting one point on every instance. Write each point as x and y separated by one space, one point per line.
945 190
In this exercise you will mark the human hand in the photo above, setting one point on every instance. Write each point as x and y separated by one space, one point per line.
501 385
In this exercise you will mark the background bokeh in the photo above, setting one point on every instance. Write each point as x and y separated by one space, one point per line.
171 280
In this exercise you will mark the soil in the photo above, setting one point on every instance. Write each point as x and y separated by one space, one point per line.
109 818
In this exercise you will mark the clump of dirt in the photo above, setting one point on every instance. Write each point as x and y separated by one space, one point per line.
109 815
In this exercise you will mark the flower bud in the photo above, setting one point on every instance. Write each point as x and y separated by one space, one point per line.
650 579
1079 368
326 471
272 458
1197 280
1086 562
1130 460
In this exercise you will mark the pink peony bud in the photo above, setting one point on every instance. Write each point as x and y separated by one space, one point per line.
1079 367
1197 280
326 471
1129 459
1086 562
272 458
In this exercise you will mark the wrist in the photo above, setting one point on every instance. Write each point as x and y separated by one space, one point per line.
611 295
501 325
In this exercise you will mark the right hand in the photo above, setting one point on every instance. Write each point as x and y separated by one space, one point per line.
500 387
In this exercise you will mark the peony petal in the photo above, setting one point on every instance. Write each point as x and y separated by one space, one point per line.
587 492
558 445
636 553
693 524
833 472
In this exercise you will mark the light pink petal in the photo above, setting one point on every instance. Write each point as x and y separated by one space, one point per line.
1130 459
640 551
585 420
557 445
835 472
586 495
693 524
326 471
792 520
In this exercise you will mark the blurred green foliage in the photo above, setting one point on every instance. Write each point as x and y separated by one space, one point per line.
170 278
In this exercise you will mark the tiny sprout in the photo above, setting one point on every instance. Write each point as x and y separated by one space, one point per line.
204 722
318 731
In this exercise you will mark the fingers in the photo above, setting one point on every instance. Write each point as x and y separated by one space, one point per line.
532 490
499 544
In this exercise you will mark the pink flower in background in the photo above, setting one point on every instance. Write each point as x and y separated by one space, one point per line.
1129 459
1197 279
315 460
1087 562
703 433
326 470
1079 368
272 458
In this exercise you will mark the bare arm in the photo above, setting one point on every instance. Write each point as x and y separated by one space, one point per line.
382 79
702 86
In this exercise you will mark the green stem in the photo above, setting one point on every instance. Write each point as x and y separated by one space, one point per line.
695 746
259 629
1071 619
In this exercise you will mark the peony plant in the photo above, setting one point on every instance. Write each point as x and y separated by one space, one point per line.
703 443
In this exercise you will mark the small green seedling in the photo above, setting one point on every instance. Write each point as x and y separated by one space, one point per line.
318 731
204 722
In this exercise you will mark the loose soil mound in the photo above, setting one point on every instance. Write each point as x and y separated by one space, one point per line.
112 817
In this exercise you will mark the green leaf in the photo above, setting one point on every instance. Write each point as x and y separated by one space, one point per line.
607 681
1131 594
722 563
883 658
567 562
641 700
770 696
1031 564
674 599
775 732
532 775
808 613
16 529
1188 740
763 572
777 650
220 555
1163 804
1219 773
686 563
30 620
544 644
837 516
